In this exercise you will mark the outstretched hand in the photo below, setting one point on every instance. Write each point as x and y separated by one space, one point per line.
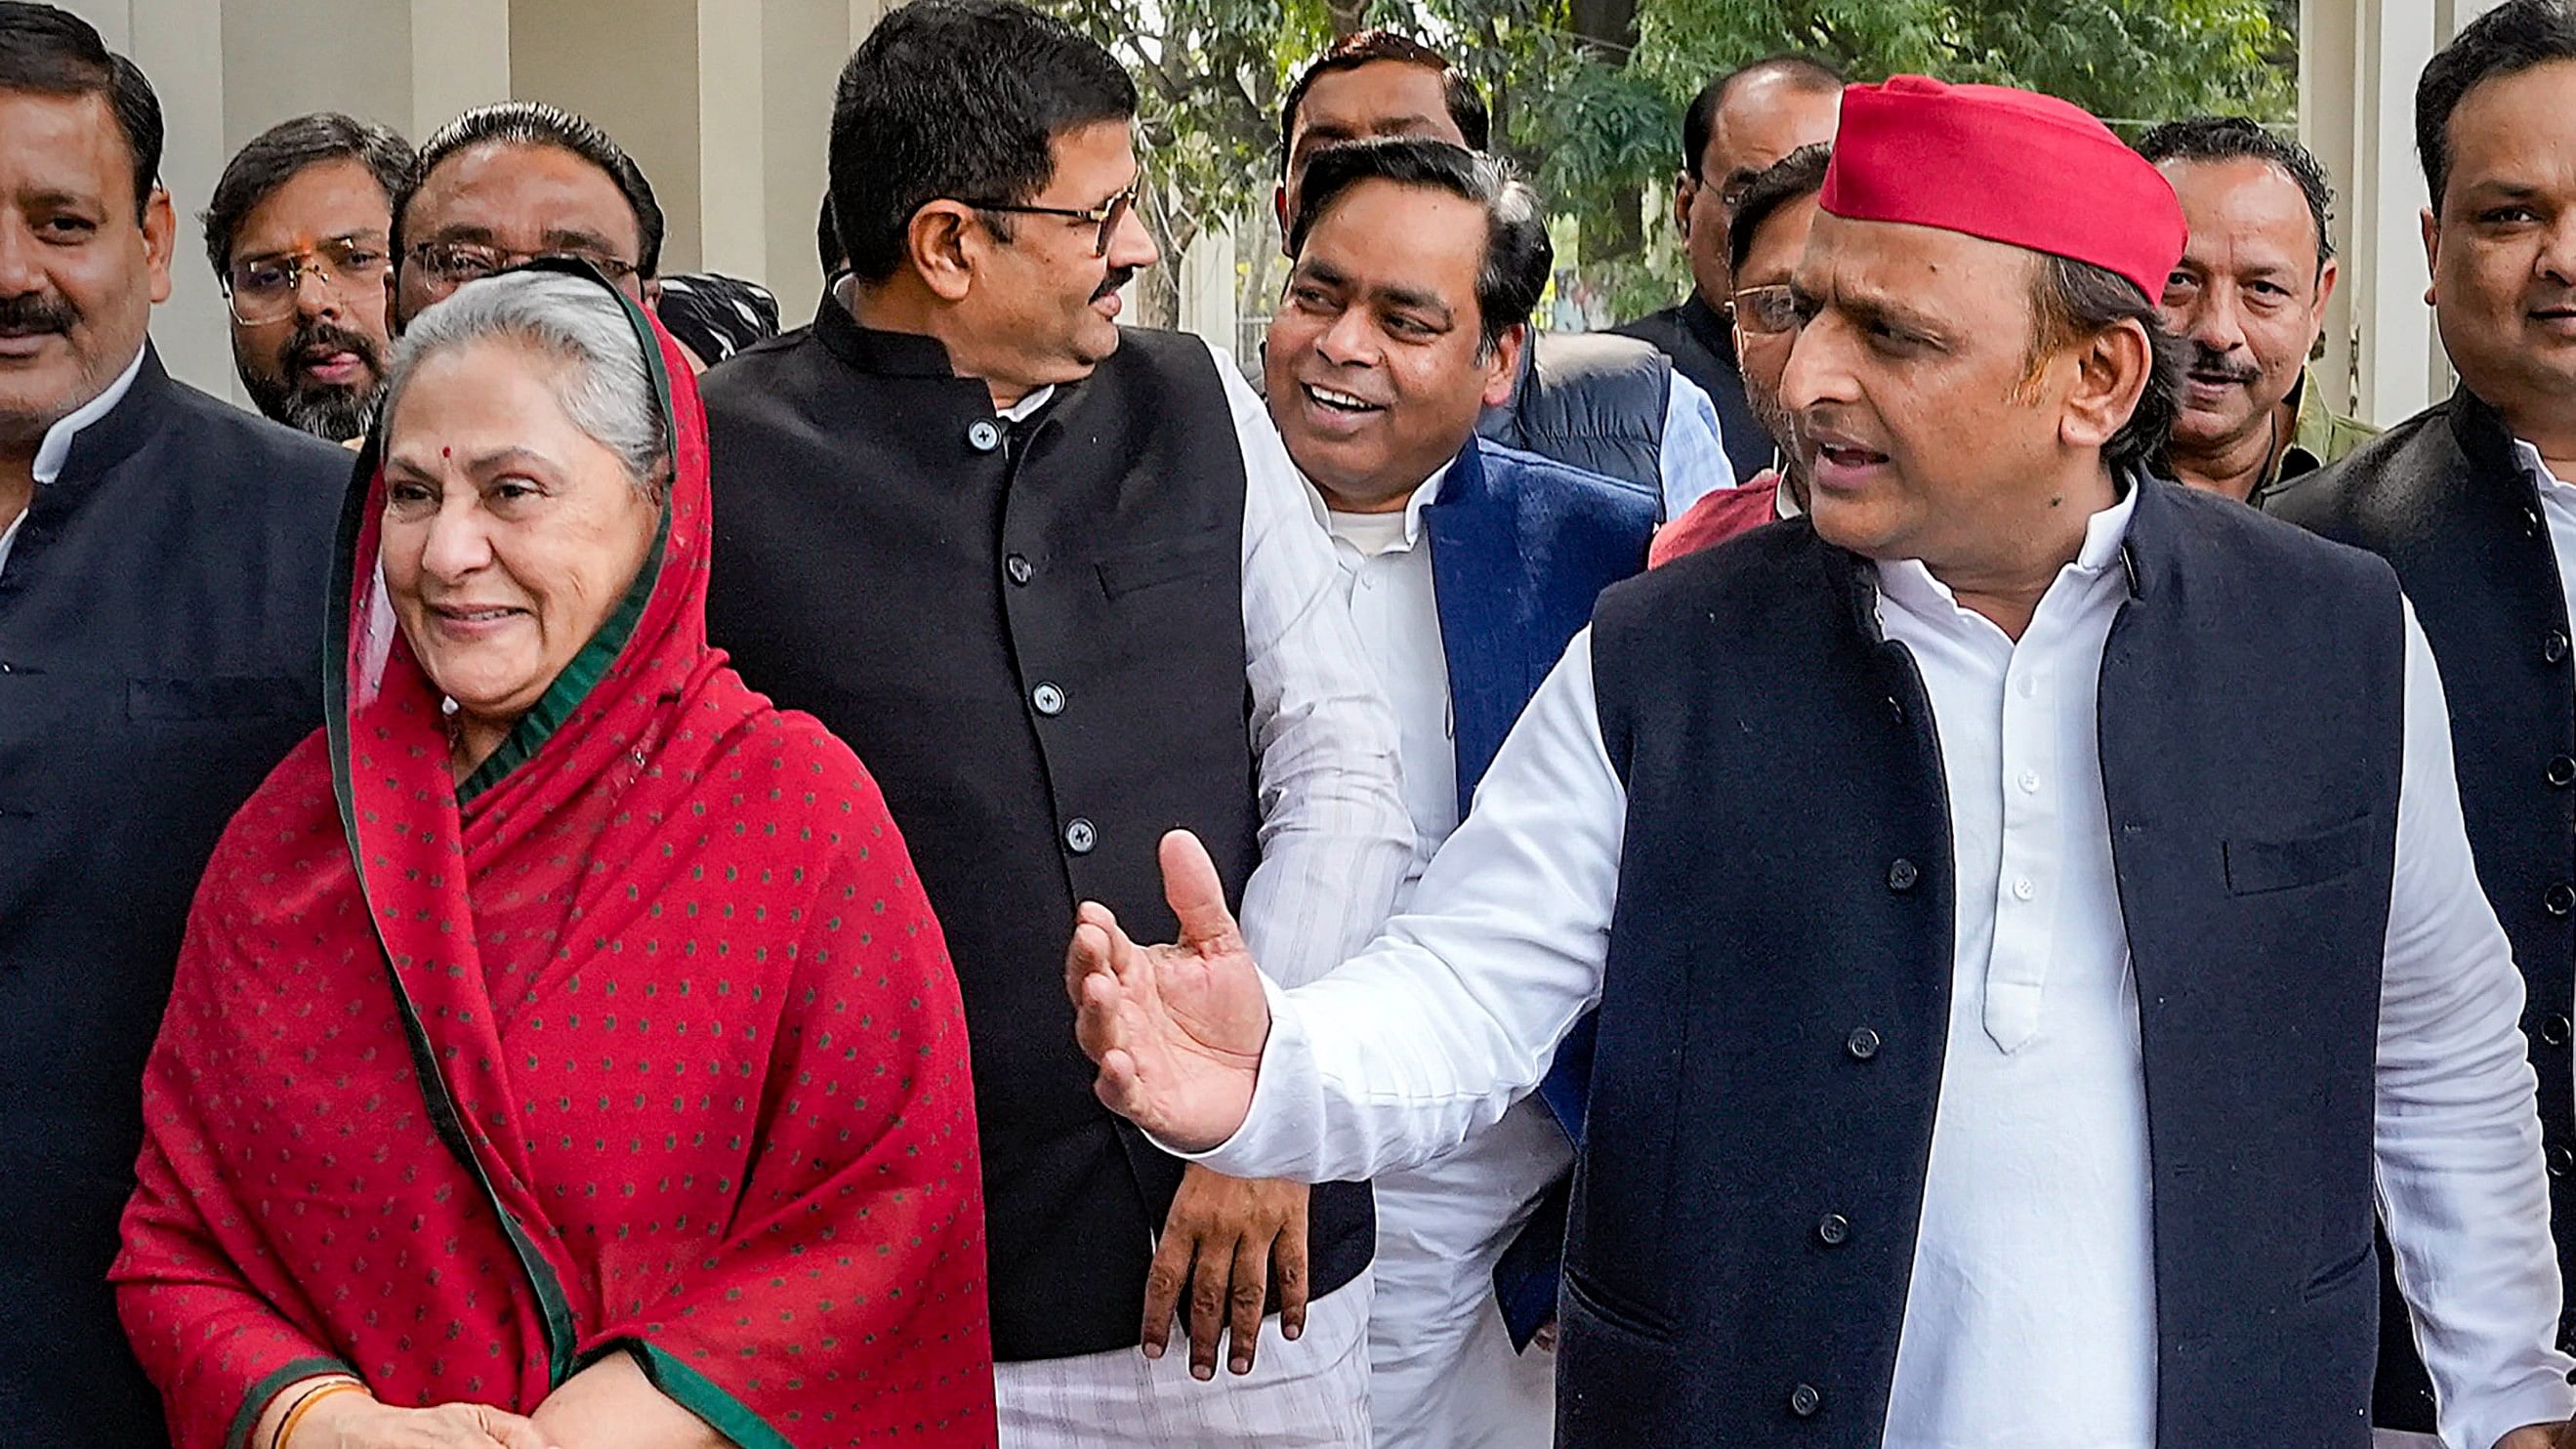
1177 1030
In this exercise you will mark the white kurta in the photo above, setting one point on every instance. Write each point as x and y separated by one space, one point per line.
1334 845
2031 1291
1442 1371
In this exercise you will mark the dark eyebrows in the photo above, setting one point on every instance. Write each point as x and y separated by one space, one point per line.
476 466
1322 273
566 239
1414 300
61 199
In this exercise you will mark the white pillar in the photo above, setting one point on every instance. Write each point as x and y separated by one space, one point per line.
1207 290
2400 362
460 59
733 211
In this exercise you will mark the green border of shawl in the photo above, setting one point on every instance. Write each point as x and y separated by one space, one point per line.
256 1399
700 1395
576 681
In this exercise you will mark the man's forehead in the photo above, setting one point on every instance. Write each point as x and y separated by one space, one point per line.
1927 266
500 185
1389 236
2238 196
1780 240
1766 117
1377 96
71 146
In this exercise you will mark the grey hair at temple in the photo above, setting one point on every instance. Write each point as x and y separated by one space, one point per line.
604 386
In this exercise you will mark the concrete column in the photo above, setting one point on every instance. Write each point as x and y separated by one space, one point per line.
733 212
460 59
1207 285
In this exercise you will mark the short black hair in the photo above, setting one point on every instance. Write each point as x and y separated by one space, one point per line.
1699 121
960 99
1517 250
2240 138
48 51
1466 104
1800 173
2508 40
2074 301
533 123
827 242
277 155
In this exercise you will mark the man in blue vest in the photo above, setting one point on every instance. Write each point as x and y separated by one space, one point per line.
2009 1015
1466 566
1612 405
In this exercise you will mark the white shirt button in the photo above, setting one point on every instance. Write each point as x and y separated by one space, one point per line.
2030 782
2023 890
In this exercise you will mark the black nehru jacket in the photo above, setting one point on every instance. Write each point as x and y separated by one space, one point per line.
1702 347
160 651
2442 498
1743 1227
1032 635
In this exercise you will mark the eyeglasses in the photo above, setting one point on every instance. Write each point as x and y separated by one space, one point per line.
450 265
1108 214
1765 311
264 289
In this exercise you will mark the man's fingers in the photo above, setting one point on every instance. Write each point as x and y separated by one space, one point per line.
1196 894
1164 1279
1288 1261
1207 1307
1089 953
1251 1286
1097 1023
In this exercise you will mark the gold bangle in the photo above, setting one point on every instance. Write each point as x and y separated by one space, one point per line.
304 1405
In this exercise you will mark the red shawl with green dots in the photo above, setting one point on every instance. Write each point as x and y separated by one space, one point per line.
642 1040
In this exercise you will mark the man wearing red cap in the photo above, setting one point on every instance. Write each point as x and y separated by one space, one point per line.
2009 1021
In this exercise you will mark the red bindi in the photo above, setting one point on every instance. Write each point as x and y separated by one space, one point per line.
447 452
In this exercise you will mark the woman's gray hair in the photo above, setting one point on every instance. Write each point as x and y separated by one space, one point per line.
605 388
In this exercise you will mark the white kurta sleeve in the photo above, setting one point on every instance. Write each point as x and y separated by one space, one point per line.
1456 1011
2458 1130
1335 838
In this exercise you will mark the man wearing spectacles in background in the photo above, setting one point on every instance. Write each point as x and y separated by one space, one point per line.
1743 122
299 234
1766 235
504 183
1057 583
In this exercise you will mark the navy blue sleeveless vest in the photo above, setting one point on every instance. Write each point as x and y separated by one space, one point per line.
1778 987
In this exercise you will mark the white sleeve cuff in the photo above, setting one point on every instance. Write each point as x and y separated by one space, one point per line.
1282 1116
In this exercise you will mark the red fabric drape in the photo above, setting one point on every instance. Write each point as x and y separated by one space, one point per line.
652 1045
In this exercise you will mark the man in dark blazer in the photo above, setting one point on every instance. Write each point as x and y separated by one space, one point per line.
1466 566
162 557
2470 502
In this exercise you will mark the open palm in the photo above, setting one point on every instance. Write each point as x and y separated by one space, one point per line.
1177 1029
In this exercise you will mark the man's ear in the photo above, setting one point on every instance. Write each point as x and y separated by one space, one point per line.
2111 374
2432 253
160 238
1685 191
943 243
1279 209
1503 365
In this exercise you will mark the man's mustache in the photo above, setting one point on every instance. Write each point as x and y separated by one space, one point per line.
318 335
1118 277
2207 363
36 313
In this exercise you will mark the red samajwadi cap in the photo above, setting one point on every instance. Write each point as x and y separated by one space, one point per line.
2007 165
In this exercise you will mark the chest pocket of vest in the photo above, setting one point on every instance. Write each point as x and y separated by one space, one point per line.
2260 863
1199 554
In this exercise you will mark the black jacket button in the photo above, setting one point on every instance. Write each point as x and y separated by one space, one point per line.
983 435
2560 899
1902 875
2554 647
1805 1400
1048 700
1018 569
2554 1030
1862 1043
1833 1230
1080 835
2560 1160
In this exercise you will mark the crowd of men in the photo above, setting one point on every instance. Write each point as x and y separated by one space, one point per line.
1664 1031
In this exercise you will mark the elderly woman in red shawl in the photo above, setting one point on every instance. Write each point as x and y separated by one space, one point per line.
562 1055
